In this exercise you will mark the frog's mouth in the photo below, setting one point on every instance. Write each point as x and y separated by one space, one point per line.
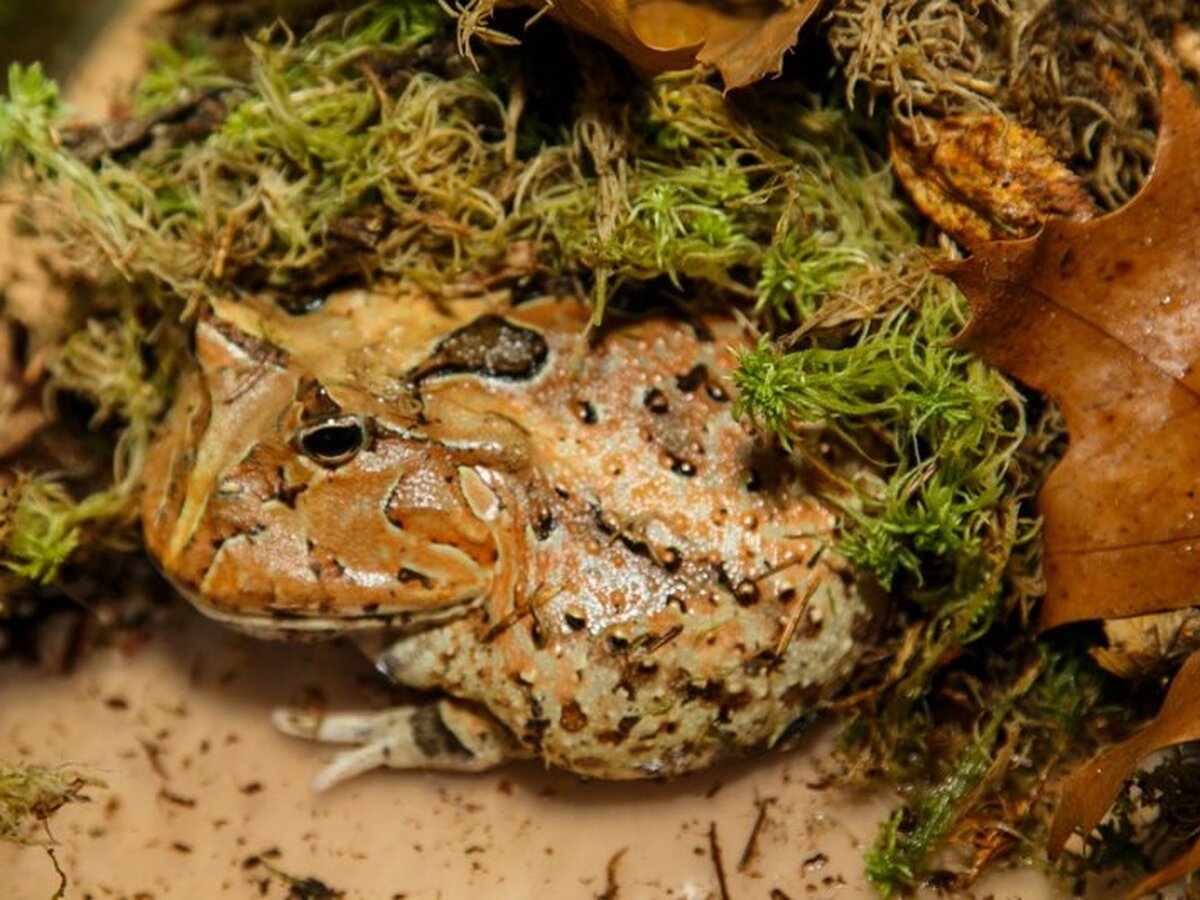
293 624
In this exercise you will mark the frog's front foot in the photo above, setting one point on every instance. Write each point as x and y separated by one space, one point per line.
445 735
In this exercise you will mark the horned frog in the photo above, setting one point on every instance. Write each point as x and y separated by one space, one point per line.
572 545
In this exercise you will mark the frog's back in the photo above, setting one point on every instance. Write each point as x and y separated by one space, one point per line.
679 599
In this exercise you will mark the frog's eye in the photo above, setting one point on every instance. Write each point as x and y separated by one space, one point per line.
334 441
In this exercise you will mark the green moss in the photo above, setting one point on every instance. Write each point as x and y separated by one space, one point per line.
935 430
31 794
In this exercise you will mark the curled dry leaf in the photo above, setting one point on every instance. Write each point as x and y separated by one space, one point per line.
1104 317
984 178
1092 788
744 41
1142 646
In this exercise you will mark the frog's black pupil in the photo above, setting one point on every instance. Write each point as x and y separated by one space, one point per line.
333 442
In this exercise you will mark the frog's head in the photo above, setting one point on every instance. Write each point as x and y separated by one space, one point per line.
281 496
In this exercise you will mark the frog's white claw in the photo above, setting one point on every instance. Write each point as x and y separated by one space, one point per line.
443 735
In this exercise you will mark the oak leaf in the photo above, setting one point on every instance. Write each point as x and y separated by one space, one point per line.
745 42
1104 317
982 177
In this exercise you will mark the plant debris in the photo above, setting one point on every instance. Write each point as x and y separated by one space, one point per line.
982 178
1078 72
744 42
30 795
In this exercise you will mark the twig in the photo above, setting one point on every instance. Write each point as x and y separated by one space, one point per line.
751 849
714 852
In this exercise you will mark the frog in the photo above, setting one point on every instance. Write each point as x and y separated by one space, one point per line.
559 536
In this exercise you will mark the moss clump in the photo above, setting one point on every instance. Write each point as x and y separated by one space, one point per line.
29 796
1080 72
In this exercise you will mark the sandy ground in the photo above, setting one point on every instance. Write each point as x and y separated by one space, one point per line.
204 799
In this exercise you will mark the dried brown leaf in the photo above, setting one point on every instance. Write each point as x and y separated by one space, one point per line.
1092 788
984 178
745 42
1141 646
1104 317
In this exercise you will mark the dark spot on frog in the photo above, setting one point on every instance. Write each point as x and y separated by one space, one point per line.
802 696
535 727
490 346
646 670
536 634
617 736
717 393
572 719
787 595
543 525
707 691
586 412
656 401
812 625
731 704
689 382
370 609
670 559
761 663
617 643
677 601
682 466
431 735
1122 268
606 526
287 493
574 622
411 576
746 593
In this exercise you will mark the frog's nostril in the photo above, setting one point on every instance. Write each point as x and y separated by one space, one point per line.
332 442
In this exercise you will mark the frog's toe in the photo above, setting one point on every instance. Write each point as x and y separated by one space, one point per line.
444 735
